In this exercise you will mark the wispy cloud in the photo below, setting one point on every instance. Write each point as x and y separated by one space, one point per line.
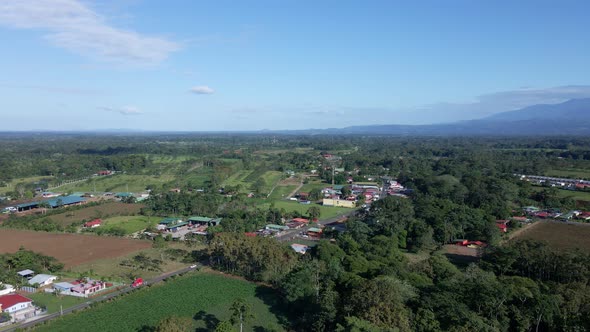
202 90
76 27
127 110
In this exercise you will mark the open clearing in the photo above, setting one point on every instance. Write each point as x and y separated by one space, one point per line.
70 249
558 234
118 183
325 211
100 211
204 297
130 224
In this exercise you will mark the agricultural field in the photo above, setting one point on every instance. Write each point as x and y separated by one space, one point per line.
70 249
281 192
558 234
100 211
204 297
130 224
118 183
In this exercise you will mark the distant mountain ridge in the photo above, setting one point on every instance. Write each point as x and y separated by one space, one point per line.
568 118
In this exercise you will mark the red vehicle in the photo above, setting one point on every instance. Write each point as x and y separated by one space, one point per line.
137 282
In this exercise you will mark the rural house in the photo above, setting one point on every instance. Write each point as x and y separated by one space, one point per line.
18 306
28 274
93 223
42 280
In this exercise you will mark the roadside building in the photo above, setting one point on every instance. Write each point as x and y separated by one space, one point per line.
18 306
339 203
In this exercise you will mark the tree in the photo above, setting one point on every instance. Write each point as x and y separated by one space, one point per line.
175 324
241 312
314 212
225 326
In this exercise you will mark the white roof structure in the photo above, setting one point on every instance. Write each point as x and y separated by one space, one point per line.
25 272
41 279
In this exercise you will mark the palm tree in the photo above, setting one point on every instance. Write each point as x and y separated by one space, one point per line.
241 312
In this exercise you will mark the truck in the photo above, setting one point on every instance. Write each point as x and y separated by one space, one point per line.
137 282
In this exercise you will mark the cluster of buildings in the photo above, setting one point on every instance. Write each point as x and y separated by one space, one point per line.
556 214
178 227
563 183
17 306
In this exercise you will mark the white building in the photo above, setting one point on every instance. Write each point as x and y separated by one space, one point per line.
18 306
42 279
6 289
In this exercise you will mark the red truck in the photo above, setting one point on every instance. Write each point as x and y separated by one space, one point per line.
137 282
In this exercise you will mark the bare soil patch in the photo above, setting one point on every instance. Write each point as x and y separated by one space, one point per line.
70 249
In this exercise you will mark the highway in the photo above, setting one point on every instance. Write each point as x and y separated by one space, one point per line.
98 299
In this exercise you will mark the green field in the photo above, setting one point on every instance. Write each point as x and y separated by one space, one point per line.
130 224
573 173
204 297
53 302
576 195
117 183
326 211
281 192
14 182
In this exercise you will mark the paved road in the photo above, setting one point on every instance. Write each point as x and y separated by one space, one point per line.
95 300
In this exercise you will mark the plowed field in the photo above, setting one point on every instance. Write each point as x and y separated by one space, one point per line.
70 249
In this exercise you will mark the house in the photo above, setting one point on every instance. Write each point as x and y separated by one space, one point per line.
86 287
301 220
338 202
300 248
276 228
521 219
56 202
204 221
93 224
123 195
26 273
6 289
62 287
314 232
502 225
103 173
42 280
176 227
18 306
167 222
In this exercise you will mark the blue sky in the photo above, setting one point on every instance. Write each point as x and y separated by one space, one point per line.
249 65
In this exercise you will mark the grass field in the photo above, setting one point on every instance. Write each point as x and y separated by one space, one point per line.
576 195
111 270
281 192
204 297
27 180
326 211
130 224
559 235
573 173
118 183
106 210
52 302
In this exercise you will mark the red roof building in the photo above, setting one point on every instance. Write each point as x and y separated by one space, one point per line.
250 234
302 220
14 302
92 224
502 225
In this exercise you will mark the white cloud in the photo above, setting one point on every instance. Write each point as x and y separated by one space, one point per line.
127 110
202 90
76 27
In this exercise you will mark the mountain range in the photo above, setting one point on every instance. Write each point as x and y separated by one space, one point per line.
568 118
